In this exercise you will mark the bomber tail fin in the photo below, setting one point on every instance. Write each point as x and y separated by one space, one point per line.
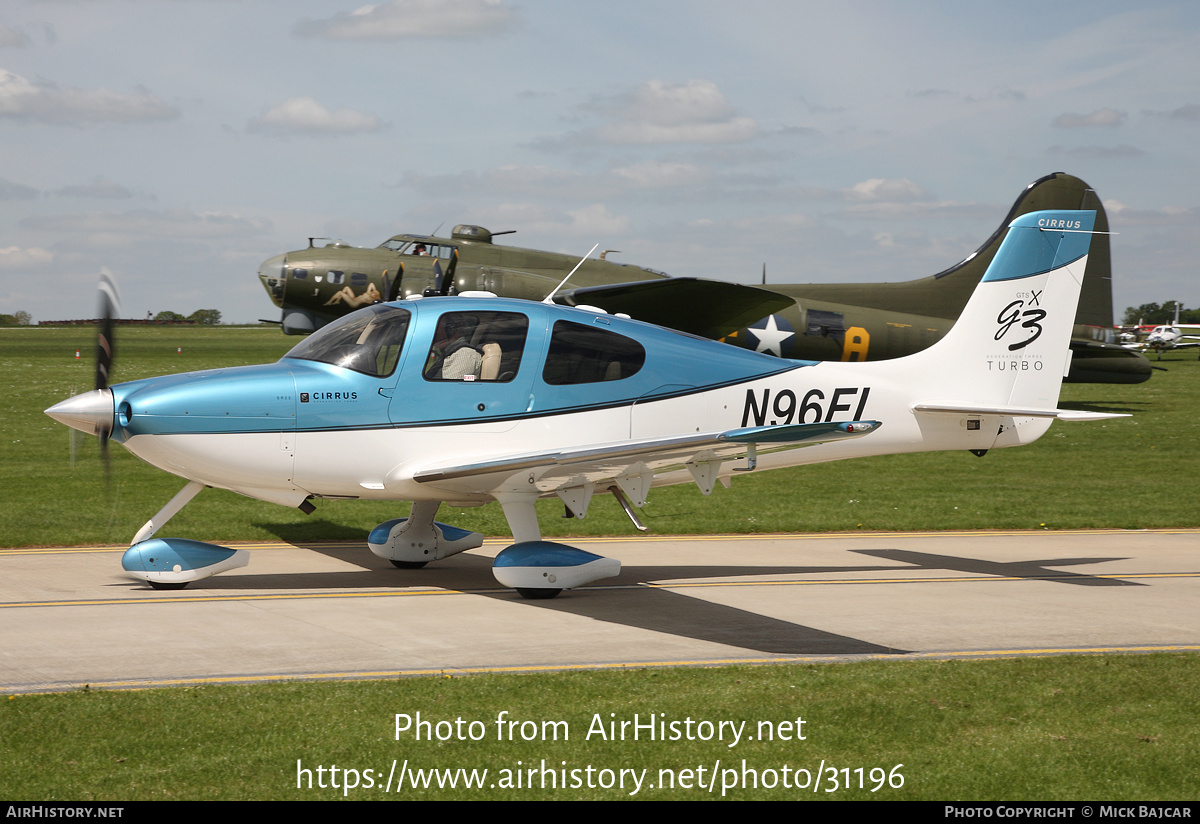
947 292
1054 192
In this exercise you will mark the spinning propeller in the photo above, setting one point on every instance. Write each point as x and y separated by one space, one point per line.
110 305
92 412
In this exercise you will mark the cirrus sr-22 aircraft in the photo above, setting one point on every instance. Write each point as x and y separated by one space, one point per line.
472 399
815 321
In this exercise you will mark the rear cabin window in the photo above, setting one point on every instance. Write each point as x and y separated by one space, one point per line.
590 354
477 346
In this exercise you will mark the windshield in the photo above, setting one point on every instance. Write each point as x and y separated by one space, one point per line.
367 341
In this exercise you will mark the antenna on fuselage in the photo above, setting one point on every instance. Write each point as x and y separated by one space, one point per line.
550 297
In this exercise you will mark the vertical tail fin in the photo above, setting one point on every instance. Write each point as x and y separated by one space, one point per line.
1009 350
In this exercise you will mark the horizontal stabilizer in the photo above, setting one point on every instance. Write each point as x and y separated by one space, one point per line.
1016 412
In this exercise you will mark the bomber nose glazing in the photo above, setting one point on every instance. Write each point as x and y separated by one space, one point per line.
271 273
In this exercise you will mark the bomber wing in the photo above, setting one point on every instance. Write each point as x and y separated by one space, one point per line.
708 308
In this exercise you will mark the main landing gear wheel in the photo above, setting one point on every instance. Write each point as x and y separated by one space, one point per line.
537 594
168 584
409 564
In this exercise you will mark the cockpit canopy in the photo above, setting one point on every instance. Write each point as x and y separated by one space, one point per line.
368 341
474 345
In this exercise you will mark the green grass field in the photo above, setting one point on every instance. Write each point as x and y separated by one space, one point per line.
1130 473
1066 728
1098 727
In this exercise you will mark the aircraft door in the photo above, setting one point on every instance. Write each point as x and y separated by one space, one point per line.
341 403
469 367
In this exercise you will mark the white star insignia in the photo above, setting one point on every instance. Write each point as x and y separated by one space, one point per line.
770 337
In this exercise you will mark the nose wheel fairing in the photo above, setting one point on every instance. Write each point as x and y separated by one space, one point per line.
176 562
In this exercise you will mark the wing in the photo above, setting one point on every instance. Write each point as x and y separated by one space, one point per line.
633 464
708 308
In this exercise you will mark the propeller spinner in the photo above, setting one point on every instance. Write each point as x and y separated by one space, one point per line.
92 412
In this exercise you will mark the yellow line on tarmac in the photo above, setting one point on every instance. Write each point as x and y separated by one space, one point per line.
421 591
282 596
451 672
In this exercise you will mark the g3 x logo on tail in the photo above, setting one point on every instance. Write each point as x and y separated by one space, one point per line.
1012 313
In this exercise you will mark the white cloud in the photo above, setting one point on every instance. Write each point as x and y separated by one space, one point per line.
1109 118
399 19
46 102
877 189
303 115
693 112
1123 215
656 113
15 257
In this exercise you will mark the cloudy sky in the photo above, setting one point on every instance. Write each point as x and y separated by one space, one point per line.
182 142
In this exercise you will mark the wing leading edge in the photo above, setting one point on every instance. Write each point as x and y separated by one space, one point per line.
645 458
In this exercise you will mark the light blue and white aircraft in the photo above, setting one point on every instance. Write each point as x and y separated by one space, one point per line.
1169 336
473 399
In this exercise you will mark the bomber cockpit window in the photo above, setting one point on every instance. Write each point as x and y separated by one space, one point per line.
420 248
368 341
590 354
477 346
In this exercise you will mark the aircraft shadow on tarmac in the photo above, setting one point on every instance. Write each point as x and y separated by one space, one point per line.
1031 570
627 601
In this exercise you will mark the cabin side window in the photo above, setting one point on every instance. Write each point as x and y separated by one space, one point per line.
588 354
477 346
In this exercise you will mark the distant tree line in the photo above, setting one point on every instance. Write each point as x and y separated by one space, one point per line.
207 317
1152 314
